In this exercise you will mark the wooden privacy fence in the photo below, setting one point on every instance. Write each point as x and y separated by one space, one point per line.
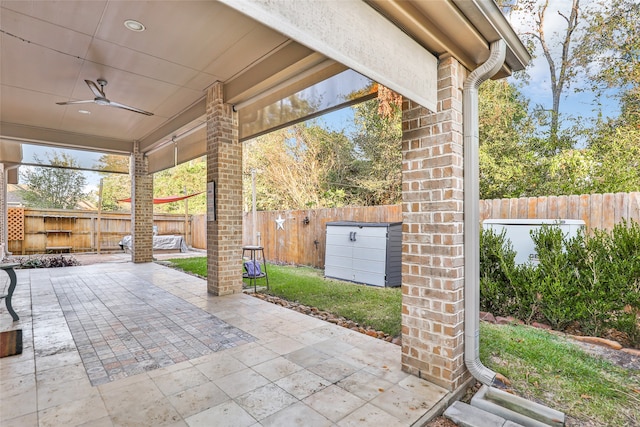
300 239
601 211
304 244
55 230
296 241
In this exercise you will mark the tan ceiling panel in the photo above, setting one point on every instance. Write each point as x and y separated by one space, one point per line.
135 62
184 98
190 33
80 16
127 88
253 45
26 67
30 108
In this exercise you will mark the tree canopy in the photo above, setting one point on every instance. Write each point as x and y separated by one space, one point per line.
58 186
309 166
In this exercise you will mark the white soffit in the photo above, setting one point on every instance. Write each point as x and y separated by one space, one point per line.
354 34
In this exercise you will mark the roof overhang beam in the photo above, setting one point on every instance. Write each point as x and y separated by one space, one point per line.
57 138
381 55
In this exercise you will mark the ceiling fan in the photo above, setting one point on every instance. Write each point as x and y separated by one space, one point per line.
101 99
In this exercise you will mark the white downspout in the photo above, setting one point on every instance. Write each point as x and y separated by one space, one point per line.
472 212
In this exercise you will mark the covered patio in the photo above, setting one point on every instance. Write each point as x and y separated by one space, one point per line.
142 344
194 78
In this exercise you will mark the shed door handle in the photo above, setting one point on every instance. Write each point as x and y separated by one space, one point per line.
352 236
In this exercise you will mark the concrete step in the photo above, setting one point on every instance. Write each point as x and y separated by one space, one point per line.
469 416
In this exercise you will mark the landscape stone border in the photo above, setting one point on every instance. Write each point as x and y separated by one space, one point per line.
327 317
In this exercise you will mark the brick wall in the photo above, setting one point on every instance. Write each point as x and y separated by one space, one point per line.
141 208
224 168
433 234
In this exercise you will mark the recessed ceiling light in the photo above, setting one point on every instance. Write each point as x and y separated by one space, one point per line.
134 25
84 111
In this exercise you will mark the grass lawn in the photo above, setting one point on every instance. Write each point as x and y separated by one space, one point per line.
547 368
541 365
371 306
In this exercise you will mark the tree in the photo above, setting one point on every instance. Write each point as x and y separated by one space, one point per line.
190 176
559 57
58 186
611 51
378 142
508 164
114 186
298 168
611 56
616 152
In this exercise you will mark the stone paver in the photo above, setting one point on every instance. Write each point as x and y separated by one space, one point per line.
141 344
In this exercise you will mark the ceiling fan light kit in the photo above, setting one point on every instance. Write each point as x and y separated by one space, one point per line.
101 99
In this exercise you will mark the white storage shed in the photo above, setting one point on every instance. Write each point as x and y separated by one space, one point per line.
364 252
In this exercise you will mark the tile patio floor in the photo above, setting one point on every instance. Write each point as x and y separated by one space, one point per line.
123 344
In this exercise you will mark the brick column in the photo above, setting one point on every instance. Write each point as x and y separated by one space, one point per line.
224 171
3 212
141 207
433 234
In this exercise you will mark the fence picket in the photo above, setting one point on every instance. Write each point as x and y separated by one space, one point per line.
296 243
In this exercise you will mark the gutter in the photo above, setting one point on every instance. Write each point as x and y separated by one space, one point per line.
472 212
489 399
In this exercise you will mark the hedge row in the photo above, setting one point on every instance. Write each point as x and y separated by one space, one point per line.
589 282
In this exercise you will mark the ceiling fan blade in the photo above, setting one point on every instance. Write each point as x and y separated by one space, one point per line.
89 101
98 92
126 107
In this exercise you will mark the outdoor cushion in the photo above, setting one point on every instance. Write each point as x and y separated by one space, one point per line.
253 268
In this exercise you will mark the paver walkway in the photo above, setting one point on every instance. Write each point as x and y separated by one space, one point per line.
123 325
85 329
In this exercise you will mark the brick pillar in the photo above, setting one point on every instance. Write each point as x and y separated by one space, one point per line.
224 172
433 234
3 212
141 207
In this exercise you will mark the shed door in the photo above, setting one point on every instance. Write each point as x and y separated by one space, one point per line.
357 254
369 255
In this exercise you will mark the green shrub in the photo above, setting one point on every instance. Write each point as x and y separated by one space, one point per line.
556 286
496 264
47 261
592 280
610 280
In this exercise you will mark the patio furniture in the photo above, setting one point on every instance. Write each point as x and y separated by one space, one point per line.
255 270
167 243
8 267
